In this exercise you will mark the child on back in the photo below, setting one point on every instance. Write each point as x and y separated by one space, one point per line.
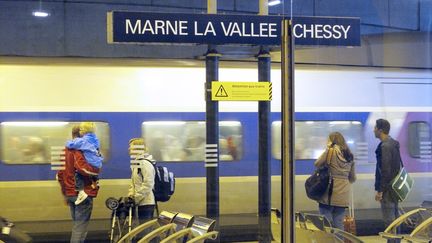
88 144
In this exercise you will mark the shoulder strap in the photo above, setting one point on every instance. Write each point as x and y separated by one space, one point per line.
139 170
140 173
329 155
330 186
351 204
401 162
150 162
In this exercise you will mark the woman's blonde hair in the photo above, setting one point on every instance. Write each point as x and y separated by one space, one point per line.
138 141
338 139
87 127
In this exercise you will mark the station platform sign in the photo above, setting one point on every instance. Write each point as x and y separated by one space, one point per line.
143 27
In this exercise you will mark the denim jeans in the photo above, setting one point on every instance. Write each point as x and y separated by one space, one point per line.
389 209
145 213
80 216
334 214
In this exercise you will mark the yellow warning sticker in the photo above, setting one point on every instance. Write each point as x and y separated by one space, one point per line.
241 91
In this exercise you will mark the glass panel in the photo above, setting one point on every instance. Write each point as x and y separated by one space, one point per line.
185 140
418 135
387 77
30 142
311 136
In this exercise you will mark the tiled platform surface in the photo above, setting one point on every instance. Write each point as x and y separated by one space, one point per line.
366 239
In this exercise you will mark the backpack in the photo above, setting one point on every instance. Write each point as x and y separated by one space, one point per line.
164 183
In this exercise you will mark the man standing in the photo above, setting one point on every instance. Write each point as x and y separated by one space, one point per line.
75 162
387 167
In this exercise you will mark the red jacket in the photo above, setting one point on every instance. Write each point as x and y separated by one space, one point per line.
75 162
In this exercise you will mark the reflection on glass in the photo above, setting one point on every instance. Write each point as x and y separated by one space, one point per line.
29 142
185 140
311 136
418 139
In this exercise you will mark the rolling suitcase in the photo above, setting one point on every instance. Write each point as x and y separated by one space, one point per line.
349 220
350 225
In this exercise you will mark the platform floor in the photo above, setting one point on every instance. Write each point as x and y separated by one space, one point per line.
366 239
103 238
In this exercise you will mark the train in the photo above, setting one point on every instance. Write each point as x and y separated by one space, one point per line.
163 101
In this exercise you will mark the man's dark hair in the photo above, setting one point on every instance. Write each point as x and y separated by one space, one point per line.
383 125
75 131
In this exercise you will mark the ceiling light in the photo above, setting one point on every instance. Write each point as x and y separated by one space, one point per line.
40 13
274 2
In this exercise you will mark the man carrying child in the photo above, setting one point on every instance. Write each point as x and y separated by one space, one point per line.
75 163
89 145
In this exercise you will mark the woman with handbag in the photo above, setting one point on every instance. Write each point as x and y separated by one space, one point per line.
340 160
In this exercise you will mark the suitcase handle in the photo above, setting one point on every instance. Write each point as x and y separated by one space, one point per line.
351 204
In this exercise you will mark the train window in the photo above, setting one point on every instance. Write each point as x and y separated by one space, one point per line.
311 137
30 142
185 140
419 139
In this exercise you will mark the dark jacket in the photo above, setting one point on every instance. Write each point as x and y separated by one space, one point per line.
388 164
75 162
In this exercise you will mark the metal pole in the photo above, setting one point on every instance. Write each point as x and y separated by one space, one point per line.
211 6
263 7
264 168
287 57
212 130
212 137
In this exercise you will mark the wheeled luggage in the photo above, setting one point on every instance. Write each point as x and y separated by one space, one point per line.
349 220
350 225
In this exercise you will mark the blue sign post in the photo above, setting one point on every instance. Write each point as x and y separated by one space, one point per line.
141 27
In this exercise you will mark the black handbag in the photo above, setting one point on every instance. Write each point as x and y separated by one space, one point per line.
316 185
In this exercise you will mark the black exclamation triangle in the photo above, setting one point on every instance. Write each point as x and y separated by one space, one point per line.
221 92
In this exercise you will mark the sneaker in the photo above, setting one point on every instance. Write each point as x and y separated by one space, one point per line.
81 197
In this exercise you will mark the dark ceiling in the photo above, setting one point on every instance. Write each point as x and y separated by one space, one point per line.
77 28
